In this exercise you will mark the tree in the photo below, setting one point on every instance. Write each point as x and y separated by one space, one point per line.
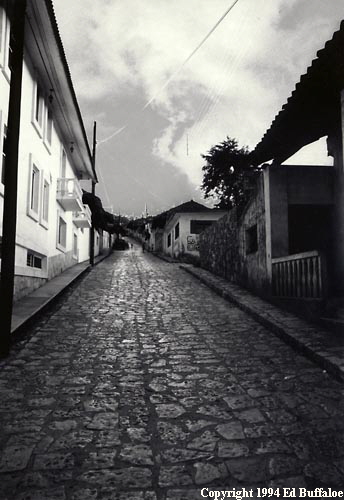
227 174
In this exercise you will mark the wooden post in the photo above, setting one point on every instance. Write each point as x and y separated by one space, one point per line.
11 176
93 190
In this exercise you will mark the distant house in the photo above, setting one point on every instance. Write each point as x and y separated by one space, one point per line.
289 241
53 225
176 231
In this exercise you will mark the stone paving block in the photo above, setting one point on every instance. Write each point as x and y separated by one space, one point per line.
103 421
232 430
131 477
233 449
249 469
53 461
15 458
191 494
206 441
46 494
206 473
175 455
174 475
136 454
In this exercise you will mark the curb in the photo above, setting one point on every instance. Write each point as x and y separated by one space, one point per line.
45 305
329 359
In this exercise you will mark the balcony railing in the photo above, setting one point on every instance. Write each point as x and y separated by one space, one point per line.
69 194
82 219
300 275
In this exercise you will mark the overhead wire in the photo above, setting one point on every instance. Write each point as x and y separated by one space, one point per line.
215 98
175 73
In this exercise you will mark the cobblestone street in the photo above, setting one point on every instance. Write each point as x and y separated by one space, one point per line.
144 385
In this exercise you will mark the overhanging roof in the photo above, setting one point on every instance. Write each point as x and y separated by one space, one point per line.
313 109
42 38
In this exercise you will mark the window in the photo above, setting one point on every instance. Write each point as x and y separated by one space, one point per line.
33 205
75 245
33 260
2 31
176 231
3 159
197 226
49 127
9 60
5 38
63 164
61 234
169 240
38 107
251 239
45 201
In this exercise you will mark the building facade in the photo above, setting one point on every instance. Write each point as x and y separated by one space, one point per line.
53 225
182 231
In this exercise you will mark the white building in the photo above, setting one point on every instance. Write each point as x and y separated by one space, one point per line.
182 228
52 222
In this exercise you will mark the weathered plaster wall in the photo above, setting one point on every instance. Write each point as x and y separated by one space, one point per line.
23 285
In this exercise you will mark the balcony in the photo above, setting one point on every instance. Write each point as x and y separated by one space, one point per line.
69 194
83 219
300 275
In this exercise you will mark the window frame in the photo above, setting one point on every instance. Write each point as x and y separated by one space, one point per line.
63 163
38 123
31 212
34 257
75 246
45 205
5 34
48 126
59 245
3 135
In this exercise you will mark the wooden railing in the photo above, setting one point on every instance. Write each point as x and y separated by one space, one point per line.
299 275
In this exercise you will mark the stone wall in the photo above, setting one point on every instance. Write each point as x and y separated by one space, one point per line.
224 245
219 247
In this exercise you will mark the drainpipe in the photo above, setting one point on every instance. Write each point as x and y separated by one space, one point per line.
11 176
93 190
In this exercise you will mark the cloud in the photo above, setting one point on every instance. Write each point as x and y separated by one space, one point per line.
122 53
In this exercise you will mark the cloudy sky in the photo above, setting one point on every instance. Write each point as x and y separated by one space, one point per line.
121 53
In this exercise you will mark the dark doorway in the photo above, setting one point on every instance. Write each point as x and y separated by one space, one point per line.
309 228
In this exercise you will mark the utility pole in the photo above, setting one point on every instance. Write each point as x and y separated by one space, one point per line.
11 175
93 190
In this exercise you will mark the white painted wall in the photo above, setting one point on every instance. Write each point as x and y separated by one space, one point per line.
187 241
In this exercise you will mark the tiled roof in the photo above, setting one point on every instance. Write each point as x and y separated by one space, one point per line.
189 206
54 25
312 109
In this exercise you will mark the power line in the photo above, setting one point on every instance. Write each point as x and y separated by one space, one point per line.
149 102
